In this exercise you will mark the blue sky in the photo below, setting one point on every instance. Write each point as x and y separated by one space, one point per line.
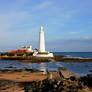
67 24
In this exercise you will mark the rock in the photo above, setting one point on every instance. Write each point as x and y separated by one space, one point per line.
72 78
90 70
87 80
66 73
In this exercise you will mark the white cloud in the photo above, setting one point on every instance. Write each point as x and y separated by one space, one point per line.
7 21
87 38
70 13
42 5
73 33
83 38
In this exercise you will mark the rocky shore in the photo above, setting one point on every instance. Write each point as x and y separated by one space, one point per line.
38 59
71 84
67 59
35 81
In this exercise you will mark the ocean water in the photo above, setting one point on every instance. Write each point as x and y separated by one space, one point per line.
75 54
79 69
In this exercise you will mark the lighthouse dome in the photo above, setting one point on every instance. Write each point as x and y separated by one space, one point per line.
41 28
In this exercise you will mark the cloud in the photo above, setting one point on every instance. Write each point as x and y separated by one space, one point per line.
20 20
87 38
42 5
72 33
70 45
7 23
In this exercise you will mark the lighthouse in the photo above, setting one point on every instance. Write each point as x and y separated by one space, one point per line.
41 40
42 52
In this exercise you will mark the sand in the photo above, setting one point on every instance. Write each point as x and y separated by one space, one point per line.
16 78
22 76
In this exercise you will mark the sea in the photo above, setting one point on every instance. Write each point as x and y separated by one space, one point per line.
80 69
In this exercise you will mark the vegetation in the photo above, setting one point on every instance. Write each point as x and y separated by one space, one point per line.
42 52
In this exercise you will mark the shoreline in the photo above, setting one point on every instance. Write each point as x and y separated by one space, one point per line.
25 81
38 59
25 75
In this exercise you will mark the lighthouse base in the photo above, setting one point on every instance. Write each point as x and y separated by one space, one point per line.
44 54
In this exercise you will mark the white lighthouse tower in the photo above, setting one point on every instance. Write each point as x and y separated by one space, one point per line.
41 40
42 52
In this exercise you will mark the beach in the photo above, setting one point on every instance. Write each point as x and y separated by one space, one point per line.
25 81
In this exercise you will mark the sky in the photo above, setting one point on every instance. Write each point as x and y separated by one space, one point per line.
67 24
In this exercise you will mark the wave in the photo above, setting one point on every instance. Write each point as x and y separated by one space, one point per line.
69 56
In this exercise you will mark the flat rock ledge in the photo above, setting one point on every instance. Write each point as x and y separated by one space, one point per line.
39 59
